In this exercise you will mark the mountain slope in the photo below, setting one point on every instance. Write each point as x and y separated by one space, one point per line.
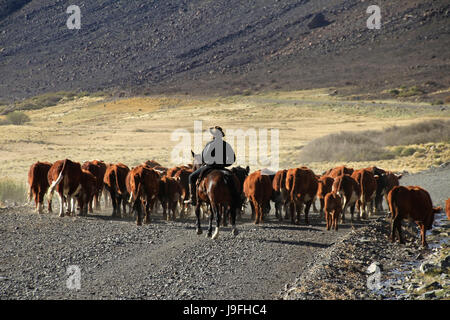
204 46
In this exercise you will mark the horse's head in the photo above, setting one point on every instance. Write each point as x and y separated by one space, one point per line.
196 160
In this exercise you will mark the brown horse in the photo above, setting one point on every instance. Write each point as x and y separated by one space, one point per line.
216 190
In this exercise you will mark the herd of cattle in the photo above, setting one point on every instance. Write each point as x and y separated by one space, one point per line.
293 191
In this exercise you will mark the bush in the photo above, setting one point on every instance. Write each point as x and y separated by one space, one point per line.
17 118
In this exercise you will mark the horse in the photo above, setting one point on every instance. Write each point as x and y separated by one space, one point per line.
215 190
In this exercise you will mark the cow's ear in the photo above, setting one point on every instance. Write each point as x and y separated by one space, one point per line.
193 154
247 169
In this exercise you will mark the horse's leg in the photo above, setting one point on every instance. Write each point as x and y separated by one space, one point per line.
234 231
197 214
225 216
211 217
218 212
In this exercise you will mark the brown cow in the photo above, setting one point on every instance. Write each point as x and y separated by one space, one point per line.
301 183
385 183
280 195
348 189
333 208
169 195
114 180
338 171
98 169
65 176
152 163
182 175
413 203
258 190
143 189
447 208
368 188
325 184
38 181
89 189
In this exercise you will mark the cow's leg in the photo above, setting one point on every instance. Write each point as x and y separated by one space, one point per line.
307 207
299 210
352 211
423 235
197 214
257 211
61 204
114 203
40 203
138 207
344 209
399 230
322 203
164 207
327 219
314 206
233 212
287 206
252 206
218 212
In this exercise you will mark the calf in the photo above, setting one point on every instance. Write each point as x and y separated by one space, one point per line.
115 184
169 195
348 189
368 187
413 203
143 189
333 208
258 190
37 179
65 177
325 184
302 185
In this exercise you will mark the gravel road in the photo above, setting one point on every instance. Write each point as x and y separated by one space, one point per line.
165 260
162 260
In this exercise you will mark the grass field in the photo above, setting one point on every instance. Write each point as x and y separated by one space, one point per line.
132 130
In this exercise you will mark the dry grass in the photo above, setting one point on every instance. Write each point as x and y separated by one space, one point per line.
372 144
132 130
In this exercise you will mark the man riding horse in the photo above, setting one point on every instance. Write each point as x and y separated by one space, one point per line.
217 154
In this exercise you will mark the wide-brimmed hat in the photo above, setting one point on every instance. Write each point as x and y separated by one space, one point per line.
213 130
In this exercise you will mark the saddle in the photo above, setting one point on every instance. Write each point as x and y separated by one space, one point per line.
204 173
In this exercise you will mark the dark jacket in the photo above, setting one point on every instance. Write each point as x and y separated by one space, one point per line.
218 152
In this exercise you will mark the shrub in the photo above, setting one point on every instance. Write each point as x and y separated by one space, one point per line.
17 118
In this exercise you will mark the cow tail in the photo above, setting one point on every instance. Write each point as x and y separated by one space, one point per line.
57 181
116 178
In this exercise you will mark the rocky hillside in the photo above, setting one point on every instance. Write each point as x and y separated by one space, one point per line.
204 46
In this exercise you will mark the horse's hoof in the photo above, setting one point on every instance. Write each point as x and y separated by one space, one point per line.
199 231
208 235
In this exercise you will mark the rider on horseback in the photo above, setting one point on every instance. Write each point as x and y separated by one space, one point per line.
217 154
